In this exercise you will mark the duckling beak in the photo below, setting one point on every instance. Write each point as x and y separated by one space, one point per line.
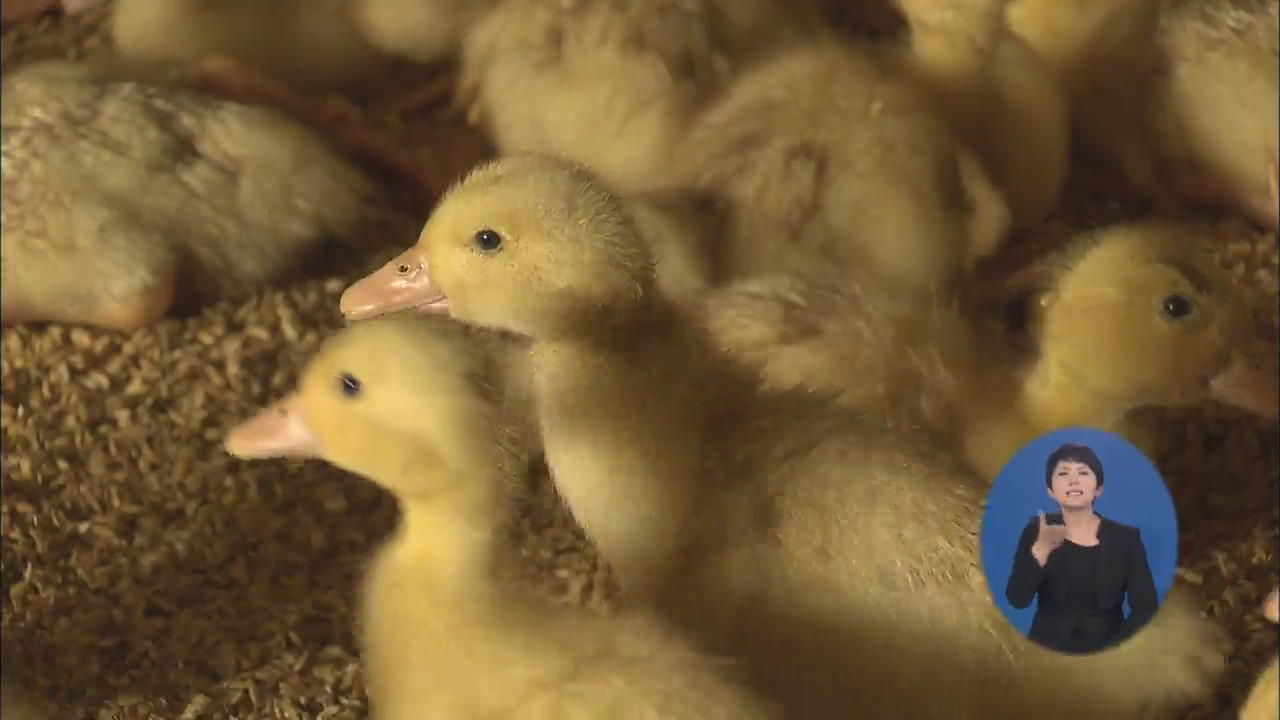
404 283
1250 388
276 431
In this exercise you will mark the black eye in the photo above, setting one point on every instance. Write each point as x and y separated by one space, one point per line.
487 240
349 384
1177 306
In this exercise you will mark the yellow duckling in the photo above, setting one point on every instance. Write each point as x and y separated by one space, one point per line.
621 380
1148 81
405 403
1135 317
1263 702
1138 316
612 84
830 155
1003 98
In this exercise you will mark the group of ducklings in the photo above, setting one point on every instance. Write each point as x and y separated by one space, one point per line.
720 278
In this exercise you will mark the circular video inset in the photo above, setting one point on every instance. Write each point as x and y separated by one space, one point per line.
1079 540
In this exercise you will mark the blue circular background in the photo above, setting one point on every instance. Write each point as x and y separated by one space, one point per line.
1133 493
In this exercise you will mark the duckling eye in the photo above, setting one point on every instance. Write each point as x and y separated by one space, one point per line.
487 240
1177 306
349 384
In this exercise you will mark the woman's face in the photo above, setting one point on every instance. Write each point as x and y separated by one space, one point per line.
1074 485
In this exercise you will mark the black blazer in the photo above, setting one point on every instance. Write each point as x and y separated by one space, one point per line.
1122 570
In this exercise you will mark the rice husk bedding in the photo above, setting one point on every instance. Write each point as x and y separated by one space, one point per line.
149 575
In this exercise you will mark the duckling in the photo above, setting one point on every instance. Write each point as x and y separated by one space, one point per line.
1263 702
623 377
1162 327
1174 330
1147 80
830 154
444 631
1002 98
118 191
611 84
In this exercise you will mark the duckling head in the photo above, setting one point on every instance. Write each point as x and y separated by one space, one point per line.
530 244
399 400
1144 318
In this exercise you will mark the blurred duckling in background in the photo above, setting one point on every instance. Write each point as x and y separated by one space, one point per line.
1149 80
829 155
537 246
117 192
13 11
1135 315
611 84
1263 702
404 403
311 45
1002 98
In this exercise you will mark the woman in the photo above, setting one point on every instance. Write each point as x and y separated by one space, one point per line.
1079 564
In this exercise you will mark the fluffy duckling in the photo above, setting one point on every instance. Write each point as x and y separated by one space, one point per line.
1134 316
831 154
1003 99
119 191
1263 702
444 634
612 84
537 246
1148 80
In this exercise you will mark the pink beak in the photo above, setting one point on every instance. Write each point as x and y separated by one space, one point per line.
1249 388
404 283
276 431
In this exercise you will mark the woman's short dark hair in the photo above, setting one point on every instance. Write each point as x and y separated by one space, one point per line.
1073 452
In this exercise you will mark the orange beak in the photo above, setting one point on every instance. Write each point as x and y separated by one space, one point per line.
276 431
404 283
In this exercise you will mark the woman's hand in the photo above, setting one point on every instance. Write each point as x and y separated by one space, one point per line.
1048 539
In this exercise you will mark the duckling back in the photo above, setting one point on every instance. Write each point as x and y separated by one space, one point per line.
829 153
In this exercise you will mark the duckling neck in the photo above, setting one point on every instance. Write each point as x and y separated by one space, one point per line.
449 538
621 324
1052 399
